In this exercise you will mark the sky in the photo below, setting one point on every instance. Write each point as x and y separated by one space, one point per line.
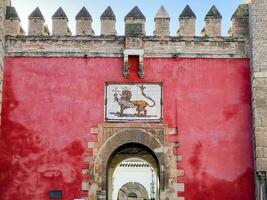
121 7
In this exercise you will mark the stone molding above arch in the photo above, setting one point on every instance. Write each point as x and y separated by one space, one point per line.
136 188
111 136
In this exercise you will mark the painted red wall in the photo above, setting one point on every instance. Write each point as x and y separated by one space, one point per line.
50 104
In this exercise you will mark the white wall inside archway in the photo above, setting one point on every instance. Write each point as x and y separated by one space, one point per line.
134 170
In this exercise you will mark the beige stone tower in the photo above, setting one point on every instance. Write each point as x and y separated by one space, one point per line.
213 21
84 23
108 22
162 23
36 23
60 23
187 22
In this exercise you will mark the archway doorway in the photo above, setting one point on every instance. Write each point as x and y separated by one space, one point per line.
115 137
133 163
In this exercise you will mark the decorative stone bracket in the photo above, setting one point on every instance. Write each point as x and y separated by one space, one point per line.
126 68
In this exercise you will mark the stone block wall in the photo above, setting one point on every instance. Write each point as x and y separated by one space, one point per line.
258 34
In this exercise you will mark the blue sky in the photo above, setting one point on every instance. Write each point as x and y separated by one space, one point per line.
122 7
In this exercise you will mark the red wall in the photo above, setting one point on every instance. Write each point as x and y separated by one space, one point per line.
50 104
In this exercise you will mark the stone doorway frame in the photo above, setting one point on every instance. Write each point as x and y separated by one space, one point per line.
110 136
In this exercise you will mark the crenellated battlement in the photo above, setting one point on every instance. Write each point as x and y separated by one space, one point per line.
84 43
134 23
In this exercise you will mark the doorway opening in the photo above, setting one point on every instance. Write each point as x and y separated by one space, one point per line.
133 173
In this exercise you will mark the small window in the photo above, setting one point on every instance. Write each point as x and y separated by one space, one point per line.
55 194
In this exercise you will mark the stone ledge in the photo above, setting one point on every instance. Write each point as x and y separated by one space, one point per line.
121 38
65 38
61 54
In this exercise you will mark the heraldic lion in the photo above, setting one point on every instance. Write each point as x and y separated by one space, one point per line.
125 102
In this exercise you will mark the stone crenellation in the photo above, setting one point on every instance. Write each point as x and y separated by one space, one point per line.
36 23
213 22
108 22
134 22
162 23
84 23
60 23
187 21
39 41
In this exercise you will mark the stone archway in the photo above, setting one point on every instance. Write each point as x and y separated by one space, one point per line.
112 136
132 151
133 188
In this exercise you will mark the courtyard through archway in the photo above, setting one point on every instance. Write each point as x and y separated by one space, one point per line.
133 169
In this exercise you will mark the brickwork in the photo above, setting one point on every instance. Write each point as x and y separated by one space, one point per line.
259 88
